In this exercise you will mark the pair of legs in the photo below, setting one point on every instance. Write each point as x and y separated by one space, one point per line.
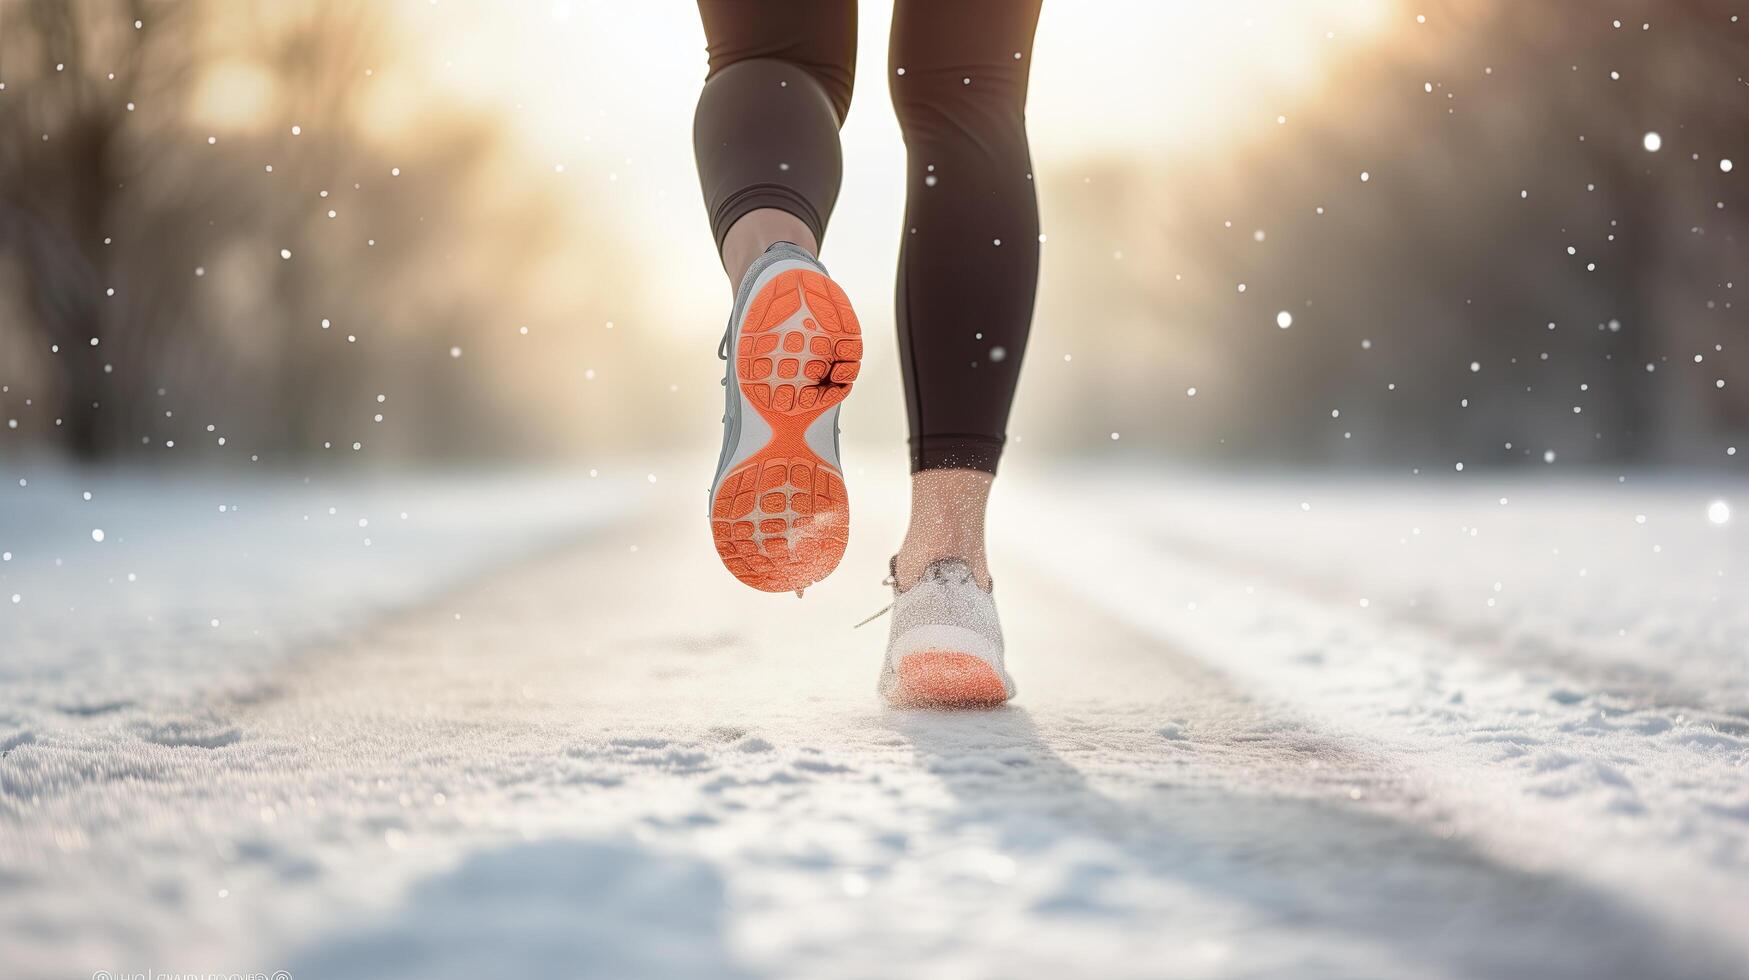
766 138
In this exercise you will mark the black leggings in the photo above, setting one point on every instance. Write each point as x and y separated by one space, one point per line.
766 136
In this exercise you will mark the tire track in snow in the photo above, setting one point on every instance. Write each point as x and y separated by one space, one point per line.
1638 801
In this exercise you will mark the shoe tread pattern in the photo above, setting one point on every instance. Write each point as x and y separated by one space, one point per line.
780 520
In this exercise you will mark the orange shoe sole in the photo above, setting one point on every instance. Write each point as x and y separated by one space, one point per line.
781 519
944 679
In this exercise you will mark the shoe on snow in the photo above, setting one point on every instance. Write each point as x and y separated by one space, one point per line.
945 647
779 512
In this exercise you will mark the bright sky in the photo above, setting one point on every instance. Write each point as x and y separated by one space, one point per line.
605 88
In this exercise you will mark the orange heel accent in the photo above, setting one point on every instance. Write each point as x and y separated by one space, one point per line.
781 519
945 679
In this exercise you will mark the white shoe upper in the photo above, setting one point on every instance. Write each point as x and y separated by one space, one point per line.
945 611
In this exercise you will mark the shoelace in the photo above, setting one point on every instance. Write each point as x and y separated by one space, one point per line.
932 573
891 579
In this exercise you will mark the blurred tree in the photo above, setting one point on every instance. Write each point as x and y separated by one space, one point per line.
65 163
1515 273
213 237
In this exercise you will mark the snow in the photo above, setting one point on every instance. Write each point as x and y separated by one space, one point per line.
280 561
533 730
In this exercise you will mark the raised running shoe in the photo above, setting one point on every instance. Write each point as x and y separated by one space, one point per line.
779 513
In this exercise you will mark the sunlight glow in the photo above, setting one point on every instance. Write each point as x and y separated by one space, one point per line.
601 95
233 95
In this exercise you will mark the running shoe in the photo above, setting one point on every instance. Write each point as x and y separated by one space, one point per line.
945 648
779 512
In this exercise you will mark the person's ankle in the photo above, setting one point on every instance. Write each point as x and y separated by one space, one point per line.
947 521
756 232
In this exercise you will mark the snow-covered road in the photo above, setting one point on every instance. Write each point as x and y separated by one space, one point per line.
1288 726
